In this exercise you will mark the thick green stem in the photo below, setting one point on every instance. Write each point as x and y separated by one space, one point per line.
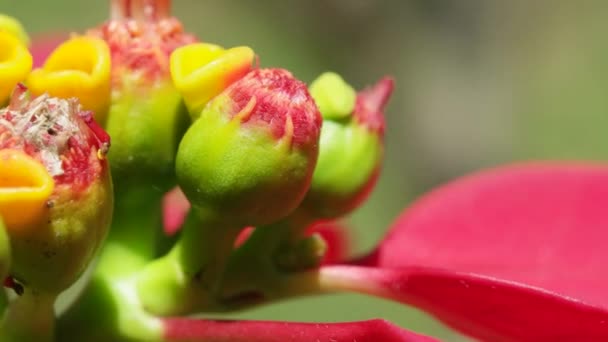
268 254
30 317
135 227
187 279
109 308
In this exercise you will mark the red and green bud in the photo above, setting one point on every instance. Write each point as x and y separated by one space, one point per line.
15 59
351 145
146 115
251 154
55 189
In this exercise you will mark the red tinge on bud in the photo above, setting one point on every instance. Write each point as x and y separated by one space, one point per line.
141 36
371 102
56 132
279 101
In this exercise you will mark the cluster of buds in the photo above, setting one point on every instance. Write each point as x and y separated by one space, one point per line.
255 158
248 146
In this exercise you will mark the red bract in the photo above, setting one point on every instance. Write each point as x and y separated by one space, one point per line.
259 331
514 253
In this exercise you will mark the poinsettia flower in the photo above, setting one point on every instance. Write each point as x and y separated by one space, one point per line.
185 329
511 254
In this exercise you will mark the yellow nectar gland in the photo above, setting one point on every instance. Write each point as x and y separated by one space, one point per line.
202 71
15 64
14 27
80 67
25 187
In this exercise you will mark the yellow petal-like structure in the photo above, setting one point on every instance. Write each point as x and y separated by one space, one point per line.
15 64
25 188
202 71
80 67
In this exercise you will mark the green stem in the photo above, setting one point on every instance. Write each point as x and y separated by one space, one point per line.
187 279
268 254
30 317
135 227
5 262
109 308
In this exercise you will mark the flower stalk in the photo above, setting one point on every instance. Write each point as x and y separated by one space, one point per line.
30 317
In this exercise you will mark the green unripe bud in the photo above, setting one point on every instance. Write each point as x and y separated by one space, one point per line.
146 115
250 156
351 145
55 189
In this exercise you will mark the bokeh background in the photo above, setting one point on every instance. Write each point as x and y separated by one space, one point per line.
479 83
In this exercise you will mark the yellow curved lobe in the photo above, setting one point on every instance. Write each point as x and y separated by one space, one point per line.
14 27
80 67
15 64
25 187
202 71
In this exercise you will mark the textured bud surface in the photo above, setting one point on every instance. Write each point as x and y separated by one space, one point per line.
273 98
142 49
251 154
63 194
55 132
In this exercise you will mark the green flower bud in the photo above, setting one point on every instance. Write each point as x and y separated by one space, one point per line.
55 189
250 156
351 145
146 115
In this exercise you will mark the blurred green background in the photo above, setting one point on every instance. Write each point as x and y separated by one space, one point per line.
479 83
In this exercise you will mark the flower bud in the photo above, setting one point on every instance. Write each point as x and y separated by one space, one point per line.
251 154
80 67
146 116
55 188
351 145
15 63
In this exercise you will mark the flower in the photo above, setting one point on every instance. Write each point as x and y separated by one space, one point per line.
250 155
507 254
55 193
351 145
